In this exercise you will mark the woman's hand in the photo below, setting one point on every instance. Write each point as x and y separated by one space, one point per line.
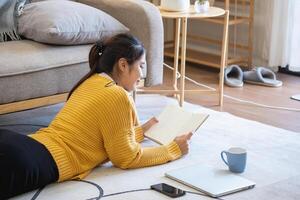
182 142
149 124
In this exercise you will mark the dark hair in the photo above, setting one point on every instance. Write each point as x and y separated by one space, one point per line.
104 55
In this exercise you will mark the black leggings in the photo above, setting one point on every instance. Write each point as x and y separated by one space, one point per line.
25 164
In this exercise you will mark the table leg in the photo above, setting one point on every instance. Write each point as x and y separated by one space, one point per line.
223 58
183 56
176 52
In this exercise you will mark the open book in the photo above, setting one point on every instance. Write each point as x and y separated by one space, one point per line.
174 121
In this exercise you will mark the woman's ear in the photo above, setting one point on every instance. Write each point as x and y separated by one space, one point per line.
122 64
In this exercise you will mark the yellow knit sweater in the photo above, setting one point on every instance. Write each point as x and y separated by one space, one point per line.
99 123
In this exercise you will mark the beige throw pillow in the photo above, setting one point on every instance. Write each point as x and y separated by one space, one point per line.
67 23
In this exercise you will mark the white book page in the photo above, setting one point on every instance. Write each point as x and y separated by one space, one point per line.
174 121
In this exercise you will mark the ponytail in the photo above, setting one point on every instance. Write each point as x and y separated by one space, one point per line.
94 57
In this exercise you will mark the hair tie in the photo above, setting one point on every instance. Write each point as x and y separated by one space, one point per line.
100 48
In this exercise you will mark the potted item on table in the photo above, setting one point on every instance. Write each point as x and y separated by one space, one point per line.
175 5
201 6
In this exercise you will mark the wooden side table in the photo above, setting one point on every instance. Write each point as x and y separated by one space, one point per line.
180 37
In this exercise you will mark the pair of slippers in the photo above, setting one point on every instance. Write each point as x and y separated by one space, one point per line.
235 77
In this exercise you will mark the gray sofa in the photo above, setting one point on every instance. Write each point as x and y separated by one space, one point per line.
33 74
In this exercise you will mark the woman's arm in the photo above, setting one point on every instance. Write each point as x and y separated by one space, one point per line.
122 147
125 152
141 129
139 133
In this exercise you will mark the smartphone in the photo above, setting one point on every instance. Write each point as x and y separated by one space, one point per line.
168 190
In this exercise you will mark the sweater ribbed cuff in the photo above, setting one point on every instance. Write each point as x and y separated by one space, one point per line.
139 135
174 150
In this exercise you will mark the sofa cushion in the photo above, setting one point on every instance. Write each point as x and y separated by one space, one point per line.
41 83
67 23
25 56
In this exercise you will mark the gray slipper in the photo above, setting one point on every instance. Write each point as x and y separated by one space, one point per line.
262 76
233 76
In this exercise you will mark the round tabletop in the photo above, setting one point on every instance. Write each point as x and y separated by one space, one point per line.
191 13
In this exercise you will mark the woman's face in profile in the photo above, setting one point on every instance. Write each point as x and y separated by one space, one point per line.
132 74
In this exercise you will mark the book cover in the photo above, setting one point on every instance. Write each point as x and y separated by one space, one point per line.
174 121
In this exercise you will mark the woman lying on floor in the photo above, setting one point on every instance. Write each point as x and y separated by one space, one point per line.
97 124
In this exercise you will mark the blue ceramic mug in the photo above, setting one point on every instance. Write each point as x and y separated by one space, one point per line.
236 159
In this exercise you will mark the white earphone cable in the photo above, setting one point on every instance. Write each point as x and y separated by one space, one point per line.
234 98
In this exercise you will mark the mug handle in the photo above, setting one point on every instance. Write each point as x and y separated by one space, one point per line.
222 156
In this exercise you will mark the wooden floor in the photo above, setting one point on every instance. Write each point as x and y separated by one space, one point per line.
280 97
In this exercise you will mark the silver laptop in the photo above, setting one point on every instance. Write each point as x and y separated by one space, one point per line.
213 182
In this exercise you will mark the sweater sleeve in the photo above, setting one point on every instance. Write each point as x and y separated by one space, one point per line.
123 149
139 134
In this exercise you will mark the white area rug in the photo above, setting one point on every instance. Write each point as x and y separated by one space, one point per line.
273 160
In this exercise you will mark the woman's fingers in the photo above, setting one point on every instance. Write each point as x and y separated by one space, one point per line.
186 136
182 142
189 135
154 119
149 124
